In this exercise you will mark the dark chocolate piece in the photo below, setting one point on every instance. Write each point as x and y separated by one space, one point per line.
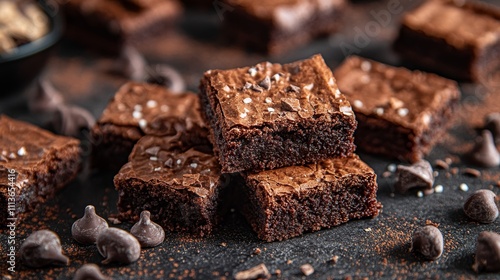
257 272
166 76
428 241
140 109
71 120
482 207
487 252
287 202
45 98
117 245
180 185
148 233
42 248
277 26
108 25
485 153
438 36
34 165
265 129
493 125
401 114
418 175
89 272
86 229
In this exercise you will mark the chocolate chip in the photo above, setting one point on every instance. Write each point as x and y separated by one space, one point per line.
117 245
130 64
485 153
86 229
292 88
45 98
428 241
481 206
290 104
266 83
418 175
42 248
89 272
257 272
71 120
493 125
166 76
148 233
487 252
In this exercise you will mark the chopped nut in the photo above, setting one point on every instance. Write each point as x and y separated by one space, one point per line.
258 272
292 88
290 104
307 269
395 103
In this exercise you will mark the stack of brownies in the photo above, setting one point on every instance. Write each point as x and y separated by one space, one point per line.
282 139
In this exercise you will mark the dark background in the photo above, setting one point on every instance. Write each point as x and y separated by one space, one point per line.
374 248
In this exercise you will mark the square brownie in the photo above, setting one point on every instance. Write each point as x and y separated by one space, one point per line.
271 115
181 186
138 109
34 165
287 202
278 25
108 24
401 113
458 39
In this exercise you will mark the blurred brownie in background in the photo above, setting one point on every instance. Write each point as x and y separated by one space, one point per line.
108 24
140 109
401 113
458 39
278 25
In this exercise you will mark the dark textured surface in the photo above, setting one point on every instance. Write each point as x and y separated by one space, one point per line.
376 248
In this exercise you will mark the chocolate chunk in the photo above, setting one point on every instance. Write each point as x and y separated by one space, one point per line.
266 83
493 125
485 153
487 252
117 245
148 233
71 120
418 175
428 241
290 104
42 248
166 76
89 272
131 64
86 229
257 272
45 98
481 206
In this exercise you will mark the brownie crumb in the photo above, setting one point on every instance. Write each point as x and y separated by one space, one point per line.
472 172
289 262
307 269
223 244
257 251
257 272
429 222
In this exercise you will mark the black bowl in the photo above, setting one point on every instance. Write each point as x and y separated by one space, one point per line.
19 68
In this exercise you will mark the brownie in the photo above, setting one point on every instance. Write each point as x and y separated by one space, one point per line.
271 115
179 185
459 39
287 202
108 24
401 113
34 165
275 26
138 109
